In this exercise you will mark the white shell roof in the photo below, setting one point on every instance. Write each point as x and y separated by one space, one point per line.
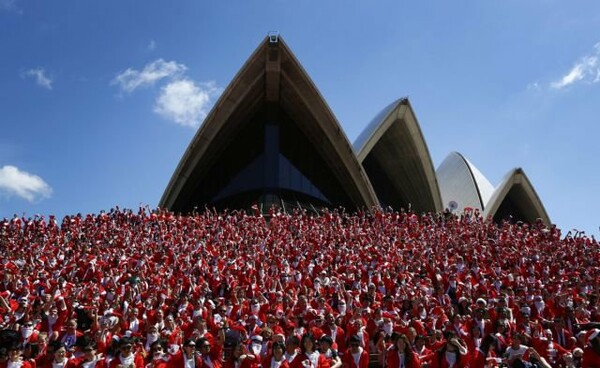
462 184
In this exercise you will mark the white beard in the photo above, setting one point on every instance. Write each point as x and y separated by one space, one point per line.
26 332
150 338
388 328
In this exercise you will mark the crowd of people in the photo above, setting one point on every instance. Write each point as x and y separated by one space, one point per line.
127 289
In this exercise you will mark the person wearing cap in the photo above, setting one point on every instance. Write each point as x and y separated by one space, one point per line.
256 345
591 353
127 357
186 357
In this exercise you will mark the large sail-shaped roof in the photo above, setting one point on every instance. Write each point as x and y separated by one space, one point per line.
462 184
396 158
515 198
270 109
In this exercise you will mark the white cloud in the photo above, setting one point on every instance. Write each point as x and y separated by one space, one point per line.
40 77
23 184
132 79
586 70
185 102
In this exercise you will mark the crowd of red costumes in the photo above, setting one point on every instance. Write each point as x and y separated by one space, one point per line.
127 289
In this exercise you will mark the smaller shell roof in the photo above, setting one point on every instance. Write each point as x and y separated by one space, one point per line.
517 188
462 184
370 129
394 153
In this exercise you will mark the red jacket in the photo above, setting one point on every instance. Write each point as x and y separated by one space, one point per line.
439 361
176 360
266 362
349 362
393 360
138 361
78 363
26 364
591 359
216 357
246 363
479 359
301 357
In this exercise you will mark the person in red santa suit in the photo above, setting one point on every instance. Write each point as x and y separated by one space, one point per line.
425 354
28 332
332 355
56 357
132 323
127 356
591 353
356 328
212 353
90 358
70 335
453 354
330 328
480 322
561 335
186 357
56 316
198 328
355 356
171 332
15 358
158 358
241 358
401 355
276 359
309 356
484 355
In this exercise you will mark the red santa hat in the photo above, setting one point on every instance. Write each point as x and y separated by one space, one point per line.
592 334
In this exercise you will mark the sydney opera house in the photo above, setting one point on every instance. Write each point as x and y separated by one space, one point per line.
271 139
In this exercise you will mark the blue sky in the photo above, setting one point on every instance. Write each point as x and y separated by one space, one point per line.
99 99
